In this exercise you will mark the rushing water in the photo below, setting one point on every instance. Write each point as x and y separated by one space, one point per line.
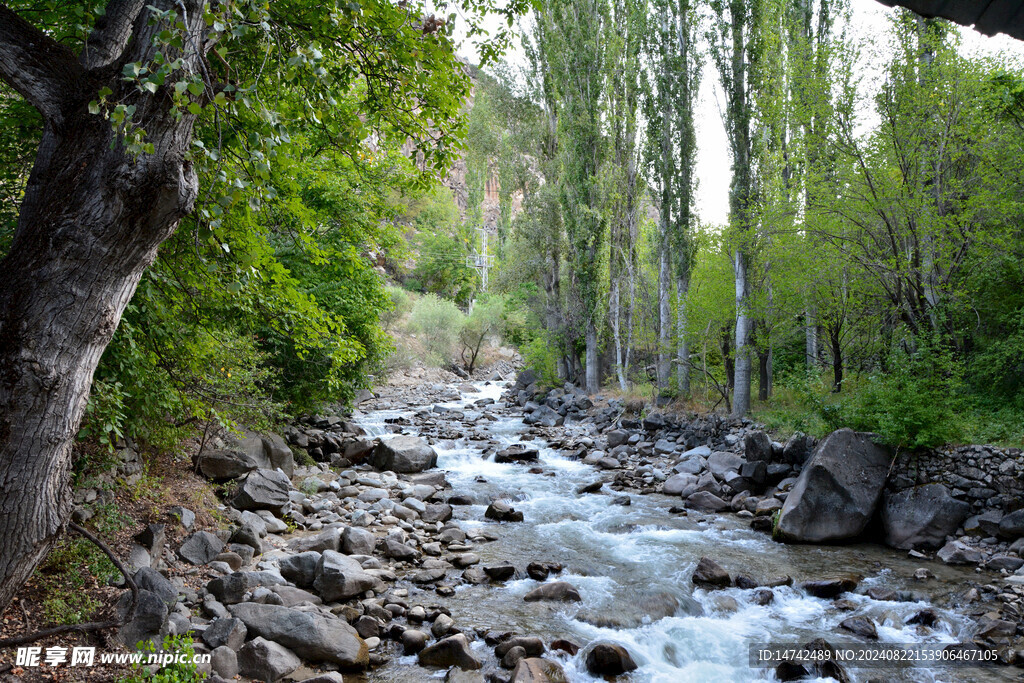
617 555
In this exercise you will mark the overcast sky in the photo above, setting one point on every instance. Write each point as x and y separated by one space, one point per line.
870 19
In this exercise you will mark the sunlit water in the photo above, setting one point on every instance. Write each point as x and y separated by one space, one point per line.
616 555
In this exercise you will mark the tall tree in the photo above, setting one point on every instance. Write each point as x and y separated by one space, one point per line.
575 54
735 52
671 153
116 171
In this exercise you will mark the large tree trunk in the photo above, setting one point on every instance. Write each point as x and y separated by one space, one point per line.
664 369
615 309
682 346
593 376
837 360
741 392
90 223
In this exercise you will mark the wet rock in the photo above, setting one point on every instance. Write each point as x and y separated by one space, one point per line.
311 636
531 646
789 670
501 511
829 588
990 627
500 572
956 552
264 660
263 490
837 492
517 453
200 548
1010 563
926 617
861 626
609 659
881 594
709 574
567 646
921 517
451 651
339 577
590 488
404 454
437 512
555 591
413 641
539 571
512 657
537 670
763 597
702 500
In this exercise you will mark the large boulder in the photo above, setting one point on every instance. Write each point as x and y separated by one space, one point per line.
340 577
448 652
241 454
263 490
922 517
1011 526
311 636
404 454
200 548
264 660
609 659
837 492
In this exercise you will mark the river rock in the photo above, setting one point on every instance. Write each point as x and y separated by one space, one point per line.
311 636
797 449
500 572
609 659
404 454
501 511
357 541
231 588
450 651
677 483
300 569
263 490
921 517
837 492
413 641
153 581
531 646
537 670
517 453
757 447
702 500
956 552
861 626
264 660
721 462
709 574
555 591
1011 526
228 632
339 577
829 588
222 464
200 548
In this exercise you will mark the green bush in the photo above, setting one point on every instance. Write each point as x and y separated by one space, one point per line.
185 672
540 354
438 322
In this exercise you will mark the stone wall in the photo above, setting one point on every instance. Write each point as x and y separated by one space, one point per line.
987 477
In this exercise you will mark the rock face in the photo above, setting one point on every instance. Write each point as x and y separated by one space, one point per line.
922 517
404 454
837 492
263 490
311 636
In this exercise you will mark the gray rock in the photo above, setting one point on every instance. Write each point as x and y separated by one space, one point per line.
339 577
184 516
413 641
538 670
357 541
609 659
311 636
147 623
222 464
721 462
450 651
328 539
1011 526
300 569
556 591
675 484
154 582
501 511
956 552
228 632
861 626
263 490
837 492
921 517
224 662
232 588
404 454
757 447
797 449
436 512
263 660
702 500
709 574
1007 562
200 548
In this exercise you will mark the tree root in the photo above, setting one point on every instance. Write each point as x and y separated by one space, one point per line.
92 625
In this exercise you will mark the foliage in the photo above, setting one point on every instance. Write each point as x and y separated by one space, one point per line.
177 672
438 322
63 579
485 322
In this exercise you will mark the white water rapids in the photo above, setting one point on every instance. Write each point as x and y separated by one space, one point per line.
615 555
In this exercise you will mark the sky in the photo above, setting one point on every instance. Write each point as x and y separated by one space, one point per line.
869 19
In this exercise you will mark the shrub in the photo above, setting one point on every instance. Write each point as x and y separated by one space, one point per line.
540 354
439 322
183 672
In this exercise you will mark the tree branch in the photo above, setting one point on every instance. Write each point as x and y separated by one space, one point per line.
111 33
42 71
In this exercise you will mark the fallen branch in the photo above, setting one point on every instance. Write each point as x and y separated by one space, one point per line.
92 625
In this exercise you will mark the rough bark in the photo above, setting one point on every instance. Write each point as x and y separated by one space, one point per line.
741 387
90 223
593 376
682 346
664 369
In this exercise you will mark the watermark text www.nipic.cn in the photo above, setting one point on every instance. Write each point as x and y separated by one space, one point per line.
86 656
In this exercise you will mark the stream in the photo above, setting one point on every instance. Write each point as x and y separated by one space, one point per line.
618 556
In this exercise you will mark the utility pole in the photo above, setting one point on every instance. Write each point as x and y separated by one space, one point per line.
481 260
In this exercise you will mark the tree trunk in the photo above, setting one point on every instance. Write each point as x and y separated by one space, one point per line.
90 223
728 360
837 361
741 392
763 374
613 304
664 317
682 347
811 337
593 379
